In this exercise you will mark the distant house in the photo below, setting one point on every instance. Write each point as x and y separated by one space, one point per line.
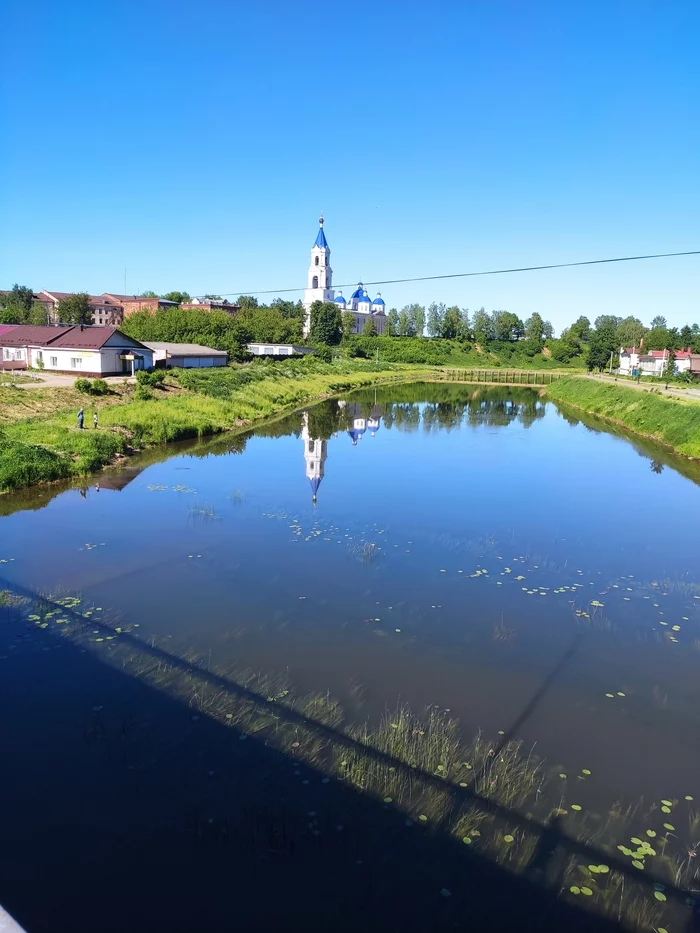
695 365
132 304
185 355
653 363
80 351
106 311
277 349
211 304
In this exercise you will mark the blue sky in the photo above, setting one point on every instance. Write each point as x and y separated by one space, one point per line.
196 144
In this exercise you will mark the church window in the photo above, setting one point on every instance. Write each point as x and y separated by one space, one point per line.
316 263
315 283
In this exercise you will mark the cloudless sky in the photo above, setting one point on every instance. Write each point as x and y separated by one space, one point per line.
196 144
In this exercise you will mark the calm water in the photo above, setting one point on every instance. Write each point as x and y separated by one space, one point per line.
456 554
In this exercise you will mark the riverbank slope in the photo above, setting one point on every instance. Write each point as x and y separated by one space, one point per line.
671 421
40 441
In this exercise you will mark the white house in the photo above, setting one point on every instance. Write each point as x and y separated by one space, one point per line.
319 287
634 361
277 349
80 351
185 355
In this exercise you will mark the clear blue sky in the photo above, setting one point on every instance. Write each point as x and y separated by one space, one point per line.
196 144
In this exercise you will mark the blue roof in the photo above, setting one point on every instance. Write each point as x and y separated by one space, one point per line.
378 300
339 300
315 483
321 239
359 292
365 297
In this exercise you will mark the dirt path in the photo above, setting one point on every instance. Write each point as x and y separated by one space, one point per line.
690 393
56 381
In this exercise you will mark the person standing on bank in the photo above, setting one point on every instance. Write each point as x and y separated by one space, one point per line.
94 420
81 415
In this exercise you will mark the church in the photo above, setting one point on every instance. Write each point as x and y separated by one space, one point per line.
319 287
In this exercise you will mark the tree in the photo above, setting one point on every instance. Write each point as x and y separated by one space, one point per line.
507 326
37 314
435 316
326 324
603 343
466 324
482 327
75 309
416 313
212 297
658 321
347 323
686 336
392 323
407 327
581 329
15 305
630 332
370 327
452 324
670 365
148 294
247 301
534 328
178 297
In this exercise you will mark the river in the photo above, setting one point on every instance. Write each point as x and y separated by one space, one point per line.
475 552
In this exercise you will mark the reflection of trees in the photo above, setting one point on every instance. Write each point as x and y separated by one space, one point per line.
657 466
494 410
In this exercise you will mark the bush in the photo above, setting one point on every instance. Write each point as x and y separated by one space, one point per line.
83 385
153 379
99 387
143 393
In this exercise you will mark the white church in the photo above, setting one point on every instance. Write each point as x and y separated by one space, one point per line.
319 287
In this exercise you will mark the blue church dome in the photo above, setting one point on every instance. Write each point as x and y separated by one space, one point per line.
339 300
359 292
378 300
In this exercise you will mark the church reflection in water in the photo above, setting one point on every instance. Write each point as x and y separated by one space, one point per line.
349 415
407 408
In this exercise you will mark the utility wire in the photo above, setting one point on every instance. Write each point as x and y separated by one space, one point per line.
464 275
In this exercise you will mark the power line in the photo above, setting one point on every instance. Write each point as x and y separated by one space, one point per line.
464 275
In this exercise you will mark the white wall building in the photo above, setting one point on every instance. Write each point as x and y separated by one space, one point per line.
319 287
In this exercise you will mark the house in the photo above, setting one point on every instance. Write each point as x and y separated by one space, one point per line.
277 349
695 365
80 351
131 304
185 355
18 340
635 362
210 304
105 310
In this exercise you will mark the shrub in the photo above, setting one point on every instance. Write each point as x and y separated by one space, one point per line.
99 387
142 393
153 379
83 385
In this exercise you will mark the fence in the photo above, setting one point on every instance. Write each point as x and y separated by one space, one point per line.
501 376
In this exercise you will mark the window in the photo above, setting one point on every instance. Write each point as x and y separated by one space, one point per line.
40 354
53 361
315 282
76 362
316 261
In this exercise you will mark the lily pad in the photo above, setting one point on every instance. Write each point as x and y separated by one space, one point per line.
651 833
575 806
585 771
665 809
575 889
509 838
659 895
586 891
638 864
669 826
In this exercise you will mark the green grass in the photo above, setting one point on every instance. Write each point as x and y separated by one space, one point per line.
40 440
672 422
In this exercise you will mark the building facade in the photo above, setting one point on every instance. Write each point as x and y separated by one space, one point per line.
319 287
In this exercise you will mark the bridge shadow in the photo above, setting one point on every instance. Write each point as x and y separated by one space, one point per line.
126 809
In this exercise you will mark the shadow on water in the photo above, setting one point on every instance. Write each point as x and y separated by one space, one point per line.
126 808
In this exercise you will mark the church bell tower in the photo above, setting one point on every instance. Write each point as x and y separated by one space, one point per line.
319 285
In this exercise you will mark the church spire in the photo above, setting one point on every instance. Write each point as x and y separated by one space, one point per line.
321 237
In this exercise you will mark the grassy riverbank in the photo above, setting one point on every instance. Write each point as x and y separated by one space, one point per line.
40 441
673 422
